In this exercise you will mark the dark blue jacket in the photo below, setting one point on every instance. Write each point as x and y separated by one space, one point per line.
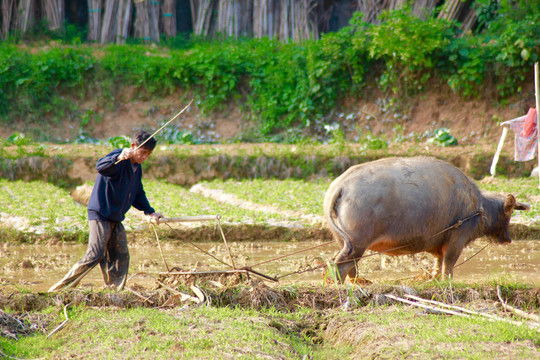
117 188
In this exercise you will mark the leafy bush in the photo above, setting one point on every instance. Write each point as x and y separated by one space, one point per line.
285 87
408 46
120 142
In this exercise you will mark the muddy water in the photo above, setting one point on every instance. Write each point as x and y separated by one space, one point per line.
37 267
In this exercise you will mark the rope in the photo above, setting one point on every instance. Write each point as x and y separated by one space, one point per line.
459 223
478 252
249 267
201 250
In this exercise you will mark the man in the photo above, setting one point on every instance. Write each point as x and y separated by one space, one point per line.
118 187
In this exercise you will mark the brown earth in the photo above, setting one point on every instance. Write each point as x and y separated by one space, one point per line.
471 121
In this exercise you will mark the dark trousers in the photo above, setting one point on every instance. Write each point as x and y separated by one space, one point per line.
107 246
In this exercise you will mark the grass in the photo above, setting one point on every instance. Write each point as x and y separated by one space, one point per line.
391 331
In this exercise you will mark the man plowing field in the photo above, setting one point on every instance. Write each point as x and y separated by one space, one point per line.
118 187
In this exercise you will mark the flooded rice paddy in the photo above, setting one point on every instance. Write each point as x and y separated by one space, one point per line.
37 267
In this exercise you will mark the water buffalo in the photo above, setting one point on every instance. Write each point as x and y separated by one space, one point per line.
408 205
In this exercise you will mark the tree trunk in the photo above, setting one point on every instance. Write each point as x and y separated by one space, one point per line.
94 20
235 18
108 27
153 20
169 18
24 17
202 16
123 20
7 13
54 13
263 18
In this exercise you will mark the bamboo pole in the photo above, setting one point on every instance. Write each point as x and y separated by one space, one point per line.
169 17
7 13
142 25
94 19
153 20
108 27
165 220
54 12
24 15
123 20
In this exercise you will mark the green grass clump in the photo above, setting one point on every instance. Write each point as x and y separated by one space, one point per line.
148 334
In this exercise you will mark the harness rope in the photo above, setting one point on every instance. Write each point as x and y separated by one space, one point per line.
458 224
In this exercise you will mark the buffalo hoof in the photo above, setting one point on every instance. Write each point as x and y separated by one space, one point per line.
360 281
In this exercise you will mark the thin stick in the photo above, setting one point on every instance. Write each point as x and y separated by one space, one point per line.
201 250
62 324
459 308
139 295
161 128
165 220
521 313
450 312
293 253
161 251
226 244
207 272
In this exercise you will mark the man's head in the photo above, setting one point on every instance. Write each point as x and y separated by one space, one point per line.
140 137
142 153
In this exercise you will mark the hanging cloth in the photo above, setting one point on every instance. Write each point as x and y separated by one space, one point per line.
526 135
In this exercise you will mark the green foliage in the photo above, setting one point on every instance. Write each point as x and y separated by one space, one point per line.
18 139
409 48
120 141
285 87
442 137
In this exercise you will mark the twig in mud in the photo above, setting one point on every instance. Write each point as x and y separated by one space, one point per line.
139 295
62 324
518 312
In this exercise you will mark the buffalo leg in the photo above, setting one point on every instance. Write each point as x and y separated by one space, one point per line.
347 263
451 253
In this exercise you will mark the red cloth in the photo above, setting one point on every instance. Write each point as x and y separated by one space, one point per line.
529 127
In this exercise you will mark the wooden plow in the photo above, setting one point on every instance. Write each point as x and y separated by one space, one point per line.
175 275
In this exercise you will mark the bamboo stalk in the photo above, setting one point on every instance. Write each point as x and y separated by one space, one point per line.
24 15
169 17
142 25
94 19
7 13
186 219
123 19
153 20
108 27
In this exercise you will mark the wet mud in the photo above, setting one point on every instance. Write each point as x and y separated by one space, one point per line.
36 267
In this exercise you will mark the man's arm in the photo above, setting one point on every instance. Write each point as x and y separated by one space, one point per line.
106 165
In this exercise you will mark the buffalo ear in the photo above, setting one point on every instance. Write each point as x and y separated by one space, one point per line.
509 204
522 206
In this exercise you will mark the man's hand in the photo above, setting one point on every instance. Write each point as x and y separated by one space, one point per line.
154 217
126 153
